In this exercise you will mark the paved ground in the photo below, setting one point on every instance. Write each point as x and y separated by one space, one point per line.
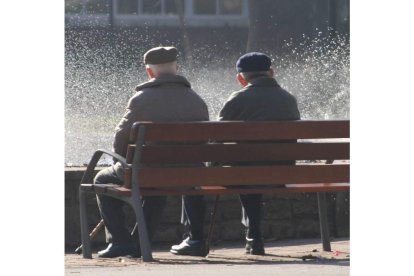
295 257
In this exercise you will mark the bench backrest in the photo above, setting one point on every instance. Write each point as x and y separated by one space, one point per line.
170 154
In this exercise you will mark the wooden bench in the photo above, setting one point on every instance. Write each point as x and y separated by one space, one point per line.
161 158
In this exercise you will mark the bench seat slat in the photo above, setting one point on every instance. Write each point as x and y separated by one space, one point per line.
225 131
158 154
242 175
218 190
106 189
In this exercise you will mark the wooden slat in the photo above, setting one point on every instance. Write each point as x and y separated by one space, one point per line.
130 153
127 178
119 191
112 189
253 131
219 190
213 176
87 187
240 152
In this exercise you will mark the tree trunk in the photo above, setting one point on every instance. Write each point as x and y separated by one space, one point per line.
253 36
188 53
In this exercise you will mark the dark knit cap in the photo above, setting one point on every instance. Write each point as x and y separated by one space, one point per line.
159 55
253 61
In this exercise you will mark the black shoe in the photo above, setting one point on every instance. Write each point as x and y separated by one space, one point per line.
117 250
254 247
190 247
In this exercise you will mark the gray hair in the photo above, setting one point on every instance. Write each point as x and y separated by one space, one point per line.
163 68
248 76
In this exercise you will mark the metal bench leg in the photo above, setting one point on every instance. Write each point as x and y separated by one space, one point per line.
86 242
142 230
212 220
323 220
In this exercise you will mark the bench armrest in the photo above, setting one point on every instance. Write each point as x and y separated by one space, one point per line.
94 160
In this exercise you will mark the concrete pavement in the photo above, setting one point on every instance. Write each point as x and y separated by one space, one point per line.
293 257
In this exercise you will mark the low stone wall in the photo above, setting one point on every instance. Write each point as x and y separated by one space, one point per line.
284 216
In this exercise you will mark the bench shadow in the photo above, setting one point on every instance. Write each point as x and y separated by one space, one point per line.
265 260
218 256
213 259
231 253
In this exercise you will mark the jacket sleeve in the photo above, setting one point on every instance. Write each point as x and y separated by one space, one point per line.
296 109
228 112
123 129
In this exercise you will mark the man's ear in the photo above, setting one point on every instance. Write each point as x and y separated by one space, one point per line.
150 73
271 72
241 80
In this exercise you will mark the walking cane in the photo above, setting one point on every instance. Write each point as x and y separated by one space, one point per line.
213 217
92 235
95 231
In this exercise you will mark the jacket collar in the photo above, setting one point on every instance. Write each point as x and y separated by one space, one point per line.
164 79
263 81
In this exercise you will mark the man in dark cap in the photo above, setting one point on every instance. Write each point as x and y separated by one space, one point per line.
166 96
261 99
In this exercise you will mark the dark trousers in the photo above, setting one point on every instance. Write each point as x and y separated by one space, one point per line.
251 214
112 213
192 215
194 212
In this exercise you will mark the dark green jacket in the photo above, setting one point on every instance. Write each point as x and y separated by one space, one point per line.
262 100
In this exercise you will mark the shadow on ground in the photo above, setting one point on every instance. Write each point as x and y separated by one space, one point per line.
225 253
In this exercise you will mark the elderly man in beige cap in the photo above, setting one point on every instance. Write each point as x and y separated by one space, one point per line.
166 96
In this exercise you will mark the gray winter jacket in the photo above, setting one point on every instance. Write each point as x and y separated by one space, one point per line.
165 98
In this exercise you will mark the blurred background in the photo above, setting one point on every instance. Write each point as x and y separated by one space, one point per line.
308 41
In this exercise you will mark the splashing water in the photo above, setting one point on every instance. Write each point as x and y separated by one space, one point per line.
100 78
